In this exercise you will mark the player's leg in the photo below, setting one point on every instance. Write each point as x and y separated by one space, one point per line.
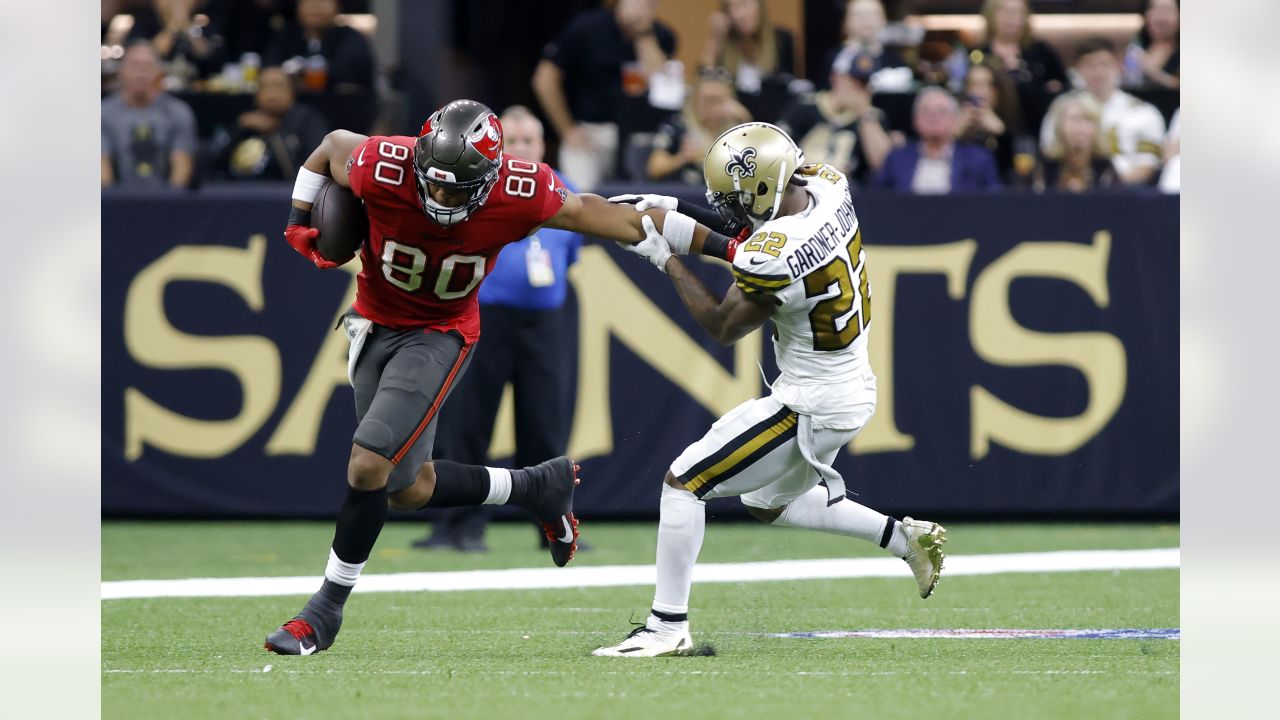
742 451
796 499
467 420
546 489
414 372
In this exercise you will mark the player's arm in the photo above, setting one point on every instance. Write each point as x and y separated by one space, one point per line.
329 160
727 319
593 215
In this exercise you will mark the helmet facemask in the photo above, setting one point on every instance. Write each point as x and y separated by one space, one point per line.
443 214
735 206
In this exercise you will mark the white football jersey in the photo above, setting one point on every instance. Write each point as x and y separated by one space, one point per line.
813 267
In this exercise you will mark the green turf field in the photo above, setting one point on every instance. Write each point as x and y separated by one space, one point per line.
526 653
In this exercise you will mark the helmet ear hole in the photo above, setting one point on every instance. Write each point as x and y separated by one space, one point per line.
761 189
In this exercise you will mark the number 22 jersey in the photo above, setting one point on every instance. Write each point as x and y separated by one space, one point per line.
812 266
418 274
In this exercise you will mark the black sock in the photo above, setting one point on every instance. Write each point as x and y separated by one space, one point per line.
458 485
669 617
360 519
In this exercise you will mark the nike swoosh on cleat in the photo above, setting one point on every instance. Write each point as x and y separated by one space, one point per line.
568 531
304 650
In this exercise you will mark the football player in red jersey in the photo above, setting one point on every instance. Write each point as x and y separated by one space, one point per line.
440 207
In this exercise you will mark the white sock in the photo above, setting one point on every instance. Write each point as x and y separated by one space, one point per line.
845 517
499 486
680 529
342 573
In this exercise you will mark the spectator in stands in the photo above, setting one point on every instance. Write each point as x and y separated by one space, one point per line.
754 50
864 23
329 56
1171 176
1076 158
937 163
525 344
682 142
1134 129
840 126
273 140
1028 60
990 115
148 136
191 49
1035 67
1152 57
580 81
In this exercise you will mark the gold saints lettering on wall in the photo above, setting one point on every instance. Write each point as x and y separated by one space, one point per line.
612 307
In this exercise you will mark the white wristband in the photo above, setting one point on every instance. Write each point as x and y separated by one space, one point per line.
678 230
307 186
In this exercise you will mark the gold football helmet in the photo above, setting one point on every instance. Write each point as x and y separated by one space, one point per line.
747 169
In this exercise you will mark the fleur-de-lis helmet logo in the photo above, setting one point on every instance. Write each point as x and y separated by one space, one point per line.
741 163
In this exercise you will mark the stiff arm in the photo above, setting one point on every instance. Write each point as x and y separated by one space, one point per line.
593 215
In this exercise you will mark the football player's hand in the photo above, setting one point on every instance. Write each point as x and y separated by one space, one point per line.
644 202
303 239
653 248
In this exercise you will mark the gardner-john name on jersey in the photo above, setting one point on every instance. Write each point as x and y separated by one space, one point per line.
812 252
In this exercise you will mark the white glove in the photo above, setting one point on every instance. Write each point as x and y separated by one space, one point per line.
644 202
653 248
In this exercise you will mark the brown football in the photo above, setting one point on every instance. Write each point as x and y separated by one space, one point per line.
341 219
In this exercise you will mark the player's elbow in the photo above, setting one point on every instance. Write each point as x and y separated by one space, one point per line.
725 335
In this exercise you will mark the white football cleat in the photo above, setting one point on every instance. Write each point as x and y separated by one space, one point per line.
647 642
924 552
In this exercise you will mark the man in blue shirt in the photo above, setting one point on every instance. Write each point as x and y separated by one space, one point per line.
525 343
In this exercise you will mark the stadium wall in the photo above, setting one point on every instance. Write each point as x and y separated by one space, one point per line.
1026 348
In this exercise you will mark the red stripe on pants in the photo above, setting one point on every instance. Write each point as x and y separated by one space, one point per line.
431 412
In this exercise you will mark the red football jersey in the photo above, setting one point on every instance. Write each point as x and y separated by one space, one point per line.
420 274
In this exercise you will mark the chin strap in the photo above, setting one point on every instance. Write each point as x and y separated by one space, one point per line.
777 193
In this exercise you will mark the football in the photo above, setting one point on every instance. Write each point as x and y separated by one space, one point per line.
341 219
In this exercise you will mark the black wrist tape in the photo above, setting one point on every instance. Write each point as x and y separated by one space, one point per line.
298 216
717 245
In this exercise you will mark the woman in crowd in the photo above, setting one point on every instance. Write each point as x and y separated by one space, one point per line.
1034 67
1078 158
864 23
754 50
681 143
989 114
1152 57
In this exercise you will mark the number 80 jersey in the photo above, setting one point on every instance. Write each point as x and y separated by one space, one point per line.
418 274
813 267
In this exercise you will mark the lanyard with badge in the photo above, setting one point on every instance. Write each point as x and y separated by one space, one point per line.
538 263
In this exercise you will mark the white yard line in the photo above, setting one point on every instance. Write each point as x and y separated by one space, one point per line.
620 575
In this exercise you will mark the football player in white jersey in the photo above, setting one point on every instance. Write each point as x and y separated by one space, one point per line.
804 268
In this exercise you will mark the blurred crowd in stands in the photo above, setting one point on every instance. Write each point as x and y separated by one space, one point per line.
897 105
